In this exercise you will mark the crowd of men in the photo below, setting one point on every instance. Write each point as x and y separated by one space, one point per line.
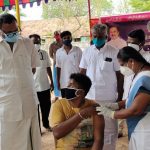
88 87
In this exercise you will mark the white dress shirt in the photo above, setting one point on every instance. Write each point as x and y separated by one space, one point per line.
41 76
18 97
118 43
69 63
101 72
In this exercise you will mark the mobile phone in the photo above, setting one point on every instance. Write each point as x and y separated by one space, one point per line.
108 59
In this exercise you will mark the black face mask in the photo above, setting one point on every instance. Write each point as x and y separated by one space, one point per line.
70 93
67 42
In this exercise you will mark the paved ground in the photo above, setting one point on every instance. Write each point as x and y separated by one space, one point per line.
47 141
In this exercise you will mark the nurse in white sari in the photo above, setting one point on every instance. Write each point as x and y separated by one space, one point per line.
139 126
136 109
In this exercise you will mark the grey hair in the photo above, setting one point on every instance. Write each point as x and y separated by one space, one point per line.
100 28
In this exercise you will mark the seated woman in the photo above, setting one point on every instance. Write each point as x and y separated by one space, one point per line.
74 121
136 109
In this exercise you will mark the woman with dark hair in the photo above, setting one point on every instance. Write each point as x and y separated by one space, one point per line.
136 109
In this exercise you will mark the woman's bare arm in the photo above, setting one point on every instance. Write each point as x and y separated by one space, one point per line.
99 125
140 103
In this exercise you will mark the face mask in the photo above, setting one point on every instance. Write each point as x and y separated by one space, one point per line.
57 37
37 46
126 71
67 42
11 37
99 42
135 46
70 93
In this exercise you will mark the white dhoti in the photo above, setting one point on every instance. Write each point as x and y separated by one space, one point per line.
110 134
111 131
20 135
140 138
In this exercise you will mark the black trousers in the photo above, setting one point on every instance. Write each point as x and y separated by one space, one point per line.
45 104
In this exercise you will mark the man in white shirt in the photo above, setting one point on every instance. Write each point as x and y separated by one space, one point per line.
42 85
99 62
67 61
19 129
116 41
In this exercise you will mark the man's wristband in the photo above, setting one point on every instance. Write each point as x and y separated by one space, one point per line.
81 116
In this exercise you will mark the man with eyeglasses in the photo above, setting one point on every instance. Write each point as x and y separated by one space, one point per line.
19 129
42 77
67 61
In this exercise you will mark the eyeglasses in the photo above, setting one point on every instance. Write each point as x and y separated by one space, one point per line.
11 34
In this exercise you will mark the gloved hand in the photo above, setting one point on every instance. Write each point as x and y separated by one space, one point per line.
107 112
112 106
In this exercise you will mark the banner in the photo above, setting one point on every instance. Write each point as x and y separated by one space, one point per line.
127 23
10 3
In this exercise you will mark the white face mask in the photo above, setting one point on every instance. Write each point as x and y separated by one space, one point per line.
126 71
135 46
37 46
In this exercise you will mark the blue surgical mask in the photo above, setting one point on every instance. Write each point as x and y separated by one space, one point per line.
11 37
70 93
99 42
67 42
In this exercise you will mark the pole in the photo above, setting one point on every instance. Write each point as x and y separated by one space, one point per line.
17 12
89 11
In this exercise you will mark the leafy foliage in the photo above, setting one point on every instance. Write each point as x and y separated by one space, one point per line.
66 9
123 7
140 5
13 11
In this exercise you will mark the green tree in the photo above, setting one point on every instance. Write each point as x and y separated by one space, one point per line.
123 7
100 7
140 5
64 9
14 10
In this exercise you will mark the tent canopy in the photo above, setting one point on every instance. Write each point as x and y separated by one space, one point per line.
10 3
